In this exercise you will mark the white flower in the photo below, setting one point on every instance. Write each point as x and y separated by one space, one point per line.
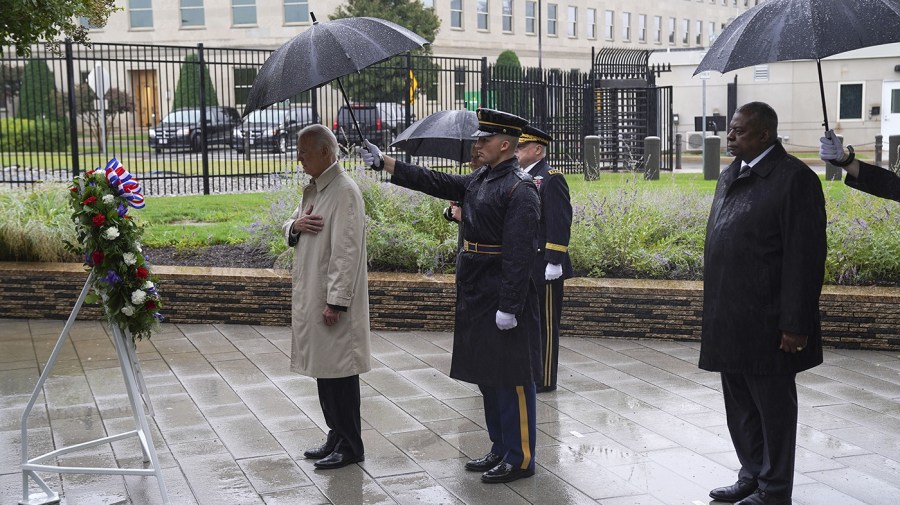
111 233
129 258
137 247
104 297
138 297
128 310
108 199
148 285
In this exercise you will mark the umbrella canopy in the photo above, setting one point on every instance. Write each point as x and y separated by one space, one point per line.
327 51
781 30
445 134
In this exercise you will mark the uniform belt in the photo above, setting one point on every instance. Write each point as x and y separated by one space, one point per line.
475 247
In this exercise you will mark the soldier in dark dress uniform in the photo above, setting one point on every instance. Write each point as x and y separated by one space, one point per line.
496 339
552 264
860 175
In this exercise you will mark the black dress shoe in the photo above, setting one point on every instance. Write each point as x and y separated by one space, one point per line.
735 492
484 463
762 498
337 460
545 389
505 472
323 450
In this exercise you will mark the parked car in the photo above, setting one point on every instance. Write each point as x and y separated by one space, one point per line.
181 128
274 128
394 114
372 124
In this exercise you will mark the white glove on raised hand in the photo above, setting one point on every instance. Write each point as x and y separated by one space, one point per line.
506 321
552 272
371 155
831 148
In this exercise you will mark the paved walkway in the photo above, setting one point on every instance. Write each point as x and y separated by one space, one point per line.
634 423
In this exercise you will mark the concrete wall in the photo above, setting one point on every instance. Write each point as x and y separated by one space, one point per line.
852 317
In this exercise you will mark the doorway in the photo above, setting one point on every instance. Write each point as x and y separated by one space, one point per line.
146 96
890 110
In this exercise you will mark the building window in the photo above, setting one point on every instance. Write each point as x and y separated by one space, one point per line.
86 23
590 24
895 101
608 25
626 26
428 4
243 12
243 81
296 11
140 13
192 13
851 106
642 28
482 11
699 34
530 19
712 32
671 30
657 29
508 16
573 22
686 31
459 83
551 19
456 13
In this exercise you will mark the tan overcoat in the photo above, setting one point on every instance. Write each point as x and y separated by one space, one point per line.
330 267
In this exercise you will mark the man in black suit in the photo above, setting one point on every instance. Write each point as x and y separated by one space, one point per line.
552 264
764 263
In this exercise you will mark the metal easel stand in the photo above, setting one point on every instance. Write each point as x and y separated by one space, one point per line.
137 391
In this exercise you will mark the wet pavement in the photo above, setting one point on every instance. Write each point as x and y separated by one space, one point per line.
633 422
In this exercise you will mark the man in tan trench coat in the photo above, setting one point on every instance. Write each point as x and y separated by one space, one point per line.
330 302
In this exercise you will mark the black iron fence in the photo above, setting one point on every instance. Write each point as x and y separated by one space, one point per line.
171 114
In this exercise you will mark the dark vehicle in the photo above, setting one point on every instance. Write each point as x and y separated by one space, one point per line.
181 128
274 128
394 115
372 124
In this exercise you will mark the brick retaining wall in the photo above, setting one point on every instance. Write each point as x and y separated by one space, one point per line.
853 317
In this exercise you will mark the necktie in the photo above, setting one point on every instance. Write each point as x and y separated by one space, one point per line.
744 169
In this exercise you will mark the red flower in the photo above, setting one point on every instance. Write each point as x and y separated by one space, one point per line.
141 273
98 220
90 200
74 189
90 172
97 257
150 305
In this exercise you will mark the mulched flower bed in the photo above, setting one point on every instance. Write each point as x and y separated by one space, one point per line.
231 256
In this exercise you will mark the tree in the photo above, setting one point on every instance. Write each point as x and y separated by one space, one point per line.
117 102
187 91
508 69
508 58
37 98
26 22
387 82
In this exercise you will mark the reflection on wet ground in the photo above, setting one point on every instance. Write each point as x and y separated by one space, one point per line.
633 422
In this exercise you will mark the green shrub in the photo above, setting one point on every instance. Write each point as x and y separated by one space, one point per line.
12 134
36 224
40 135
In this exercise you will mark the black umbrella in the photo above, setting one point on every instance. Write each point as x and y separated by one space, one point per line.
780 30
327 51
445 134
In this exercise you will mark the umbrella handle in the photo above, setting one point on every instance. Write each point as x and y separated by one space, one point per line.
349 108
822 91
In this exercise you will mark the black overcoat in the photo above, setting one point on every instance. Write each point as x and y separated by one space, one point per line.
500 206
875 181
764 263
555 225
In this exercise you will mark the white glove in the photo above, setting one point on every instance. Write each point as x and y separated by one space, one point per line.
506 321
371 155
831 148
552 272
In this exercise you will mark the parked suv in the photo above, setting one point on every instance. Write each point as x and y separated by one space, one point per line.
181 128
394 115
372 125
274 128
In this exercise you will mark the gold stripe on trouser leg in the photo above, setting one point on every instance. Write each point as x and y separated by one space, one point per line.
523 427
548 342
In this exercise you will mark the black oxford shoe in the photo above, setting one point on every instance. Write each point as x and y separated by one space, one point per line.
337 460
735 492
484 463
763 498
505 472
320 452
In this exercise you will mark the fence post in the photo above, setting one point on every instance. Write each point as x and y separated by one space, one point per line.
678 138
652 151
484 81
73 115
204 156
833 173
879 145
591 151
409 99
712 159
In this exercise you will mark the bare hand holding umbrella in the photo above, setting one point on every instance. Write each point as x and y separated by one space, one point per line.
327 51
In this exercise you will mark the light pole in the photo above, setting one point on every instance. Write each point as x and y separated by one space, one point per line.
539 23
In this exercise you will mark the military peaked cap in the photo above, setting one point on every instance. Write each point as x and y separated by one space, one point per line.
492 122
532 134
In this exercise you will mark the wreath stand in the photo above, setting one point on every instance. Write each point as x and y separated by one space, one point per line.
137 396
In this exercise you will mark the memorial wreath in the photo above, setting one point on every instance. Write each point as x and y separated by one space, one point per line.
111 243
